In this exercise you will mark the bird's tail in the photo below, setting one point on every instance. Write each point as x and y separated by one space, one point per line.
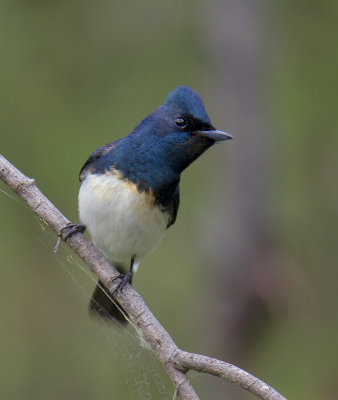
102 306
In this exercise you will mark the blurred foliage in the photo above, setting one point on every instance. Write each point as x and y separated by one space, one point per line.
78 74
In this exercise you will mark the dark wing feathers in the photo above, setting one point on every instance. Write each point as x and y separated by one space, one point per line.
174 204
88 166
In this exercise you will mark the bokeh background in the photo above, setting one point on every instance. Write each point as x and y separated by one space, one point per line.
249 272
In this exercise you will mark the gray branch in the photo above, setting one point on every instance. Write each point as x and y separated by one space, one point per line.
176 362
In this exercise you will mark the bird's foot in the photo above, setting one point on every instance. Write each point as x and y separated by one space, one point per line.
70 229
125 278
66 232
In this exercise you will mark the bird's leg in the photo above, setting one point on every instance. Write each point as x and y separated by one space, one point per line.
125 278
70 229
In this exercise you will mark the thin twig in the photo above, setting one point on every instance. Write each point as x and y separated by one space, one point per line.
176 362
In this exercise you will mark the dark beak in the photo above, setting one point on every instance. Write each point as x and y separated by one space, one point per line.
215 135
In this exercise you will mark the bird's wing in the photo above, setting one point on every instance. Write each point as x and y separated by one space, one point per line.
174 204
88 166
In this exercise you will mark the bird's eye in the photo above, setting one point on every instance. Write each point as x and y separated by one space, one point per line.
180 122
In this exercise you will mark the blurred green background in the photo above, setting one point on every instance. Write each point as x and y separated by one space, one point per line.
249 271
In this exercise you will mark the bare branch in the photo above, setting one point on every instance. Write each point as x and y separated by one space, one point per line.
233 374
176 362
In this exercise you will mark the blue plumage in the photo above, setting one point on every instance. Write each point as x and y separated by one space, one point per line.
184 99
140 173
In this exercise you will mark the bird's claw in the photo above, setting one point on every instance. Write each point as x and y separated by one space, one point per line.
70 229
125 278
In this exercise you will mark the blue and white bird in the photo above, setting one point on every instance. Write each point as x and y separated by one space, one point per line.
129 193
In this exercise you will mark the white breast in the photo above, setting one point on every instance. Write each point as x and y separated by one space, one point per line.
122 221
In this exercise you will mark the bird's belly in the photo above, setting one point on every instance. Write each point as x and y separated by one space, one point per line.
122 221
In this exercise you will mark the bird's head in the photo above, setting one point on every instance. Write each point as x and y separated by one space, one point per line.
179 130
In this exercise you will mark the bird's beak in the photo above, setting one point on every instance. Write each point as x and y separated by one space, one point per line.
215 134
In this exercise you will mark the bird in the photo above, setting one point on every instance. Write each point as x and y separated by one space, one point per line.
129 194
